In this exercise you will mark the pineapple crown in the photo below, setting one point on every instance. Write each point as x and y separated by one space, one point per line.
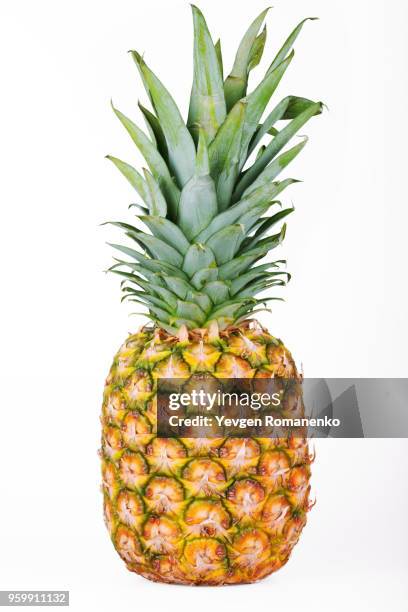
210 194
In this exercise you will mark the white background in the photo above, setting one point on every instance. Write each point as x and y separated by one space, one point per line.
346 307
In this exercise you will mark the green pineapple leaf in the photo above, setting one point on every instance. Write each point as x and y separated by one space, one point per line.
268 243
257 102
265 128
164 294
253 217
190 310
157 248
289 108
218 52
133 176
157 202
265 226
288 44
166 231
255 288
198 201
207 104
202 258
226 242
274 147
180 145
198 256
229 309
153 277
257 50
275 167
225 154
201 299
247 56
142 209
218 291
155 162
150 264
178 286
160 313
156 132
204 276
257 273
296 106
148 299
240 264
260 197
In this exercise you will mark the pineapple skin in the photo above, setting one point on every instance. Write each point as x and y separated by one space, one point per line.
199 511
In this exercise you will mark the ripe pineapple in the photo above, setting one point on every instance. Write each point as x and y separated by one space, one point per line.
204 511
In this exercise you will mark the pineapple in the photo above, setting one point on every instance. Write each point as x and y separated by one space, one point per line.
218 510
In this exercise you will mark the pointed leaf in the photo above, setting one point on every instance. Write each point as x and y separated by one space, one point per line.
265 226
274 147
158 248
156 131
155 162
170 329
189 310
289 108
288 44
225 243
240 264
156 290
143 209
255 288
225 154
261 196
181 149
275 167
257 102
198 201
207 104
275 115
150 264
129 276
218 291
178 322
268 243
133 176
198 257
252 217
204 276
271 221
229 309
296 106
218 51
153 277
167 231
157 203
161 314
151 299
236 83
125 226
257 50
178 286
164 294
244 279
201 299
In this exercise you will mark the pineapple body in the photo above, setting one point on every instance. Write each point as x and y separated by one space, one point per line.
198 511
